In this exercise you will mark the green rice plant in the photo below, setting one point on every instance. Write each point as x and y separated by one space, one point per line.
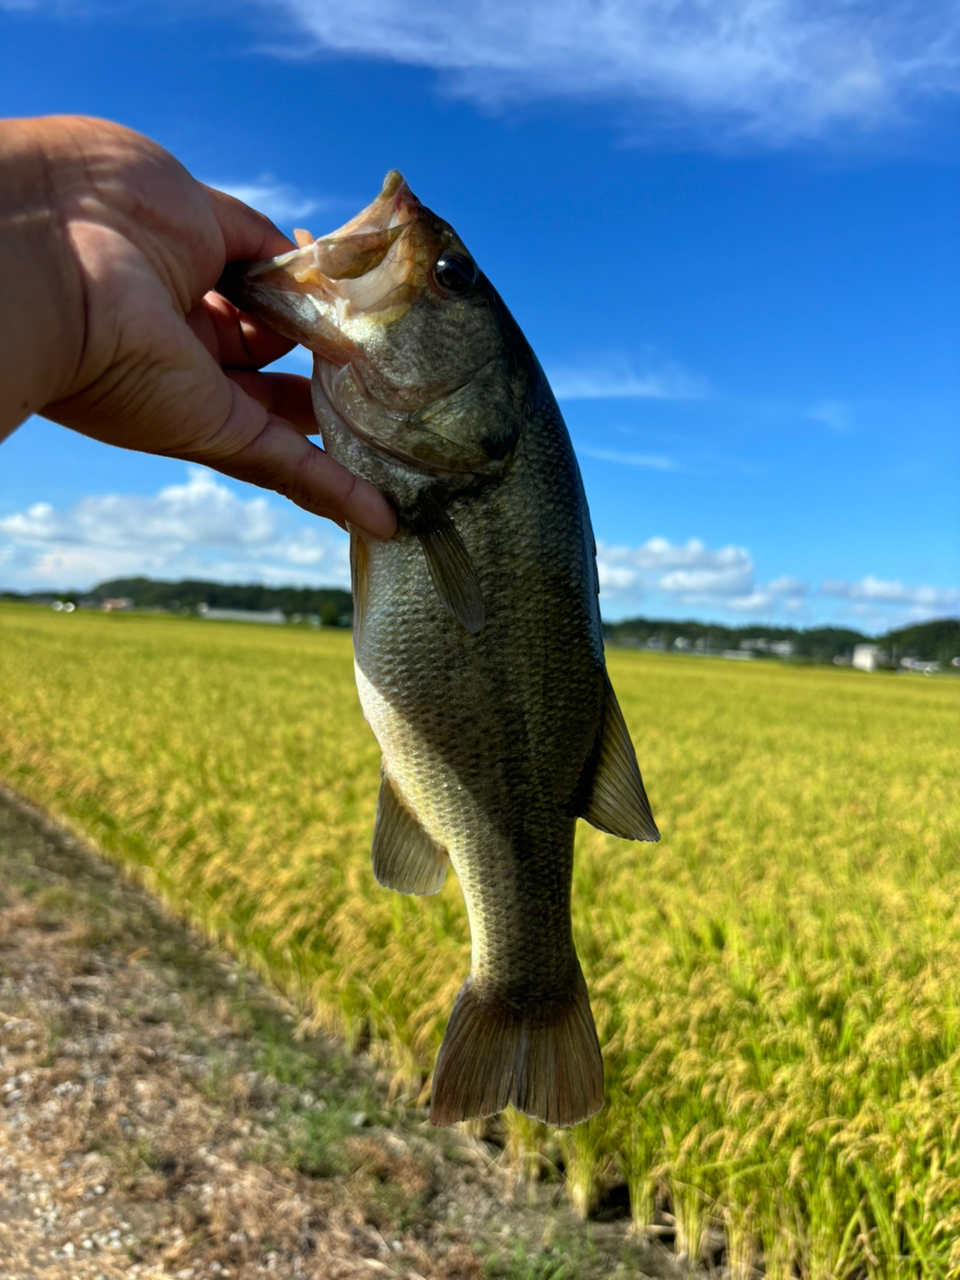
775 983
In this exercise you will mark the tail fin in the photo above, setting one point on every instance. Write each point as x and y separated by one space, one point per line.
545 1063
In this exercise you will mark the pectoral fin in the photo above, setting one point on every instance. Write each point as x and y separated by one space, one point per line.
359 565
448 561
405 858
616 801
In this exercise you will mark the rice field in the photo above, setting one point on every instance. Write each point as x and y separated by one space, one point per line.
776 984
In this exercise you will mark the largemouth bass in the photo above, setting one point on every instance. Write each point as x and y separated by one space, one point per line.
479 658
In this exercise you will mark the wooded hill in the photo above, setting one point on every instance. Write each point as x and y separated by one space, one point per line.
937 641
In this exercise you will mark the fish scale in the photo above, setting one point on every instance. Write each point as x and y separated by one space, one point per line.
478 649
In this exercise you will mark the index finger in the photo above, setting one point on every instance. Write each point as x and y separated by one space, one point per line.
247 235
232 337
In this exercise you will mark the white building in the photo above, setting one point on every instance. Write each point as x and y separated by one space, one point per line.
274 617
867 657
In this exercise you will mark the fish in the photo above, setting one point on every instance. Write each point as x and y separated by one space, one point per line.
478 650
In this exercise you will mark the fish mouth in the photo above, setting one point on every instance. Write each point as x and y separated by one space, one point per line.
366 270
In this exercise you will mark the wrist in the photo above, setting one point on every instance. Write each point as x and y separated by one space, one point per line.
41 298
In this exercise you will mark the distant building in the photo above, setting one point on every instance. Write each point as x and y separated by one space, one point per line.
273 617
116 604
920 667
760 644
868 657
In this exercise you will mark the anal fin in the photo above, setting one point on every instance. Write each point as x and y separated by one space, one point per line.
405 857
616 801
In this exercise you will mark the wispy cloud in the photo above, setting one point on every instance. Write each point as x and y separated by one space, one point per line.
873 590
776 72
833 414
618 380
614 378
644 461
786 595
282 202
200 527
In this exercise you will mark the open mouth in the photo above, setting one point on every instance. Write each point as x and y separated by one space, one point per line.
363 268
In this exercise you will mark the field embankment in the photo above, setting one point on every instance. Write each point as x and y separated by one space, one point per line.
775 983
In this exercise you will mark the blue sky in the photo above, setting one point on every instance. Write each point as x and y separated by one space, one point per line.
730 232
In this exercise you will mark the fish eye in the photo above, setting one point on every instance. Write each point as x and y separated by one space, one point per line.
455 273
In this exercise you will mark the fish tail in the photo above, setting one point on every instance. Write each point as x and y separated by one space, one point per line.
545 1062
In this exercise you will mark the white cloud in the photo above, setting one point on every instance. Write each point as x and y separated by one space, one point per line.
702 584
787 588
202 511
873 590
659 554
754 602
615 379
694 575
283 203
717 581
645 461
204 528
199 528
615 579
691 572
833 414
776 70
780 594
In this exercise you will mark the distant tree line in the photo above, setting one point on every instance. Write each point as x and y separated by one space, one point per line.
332 605
937 641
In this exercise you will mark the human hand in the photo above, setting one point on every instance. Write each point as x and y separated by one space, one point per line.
137 350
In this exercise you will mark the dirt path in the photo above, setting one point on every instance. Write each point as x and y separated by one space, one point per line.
159 1118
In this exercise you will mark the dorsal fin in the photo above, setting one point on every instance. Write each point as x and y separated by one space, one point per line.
405 857
616 801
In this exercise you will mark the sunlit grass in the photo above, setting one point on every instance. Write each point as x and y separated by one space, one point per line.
775 984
